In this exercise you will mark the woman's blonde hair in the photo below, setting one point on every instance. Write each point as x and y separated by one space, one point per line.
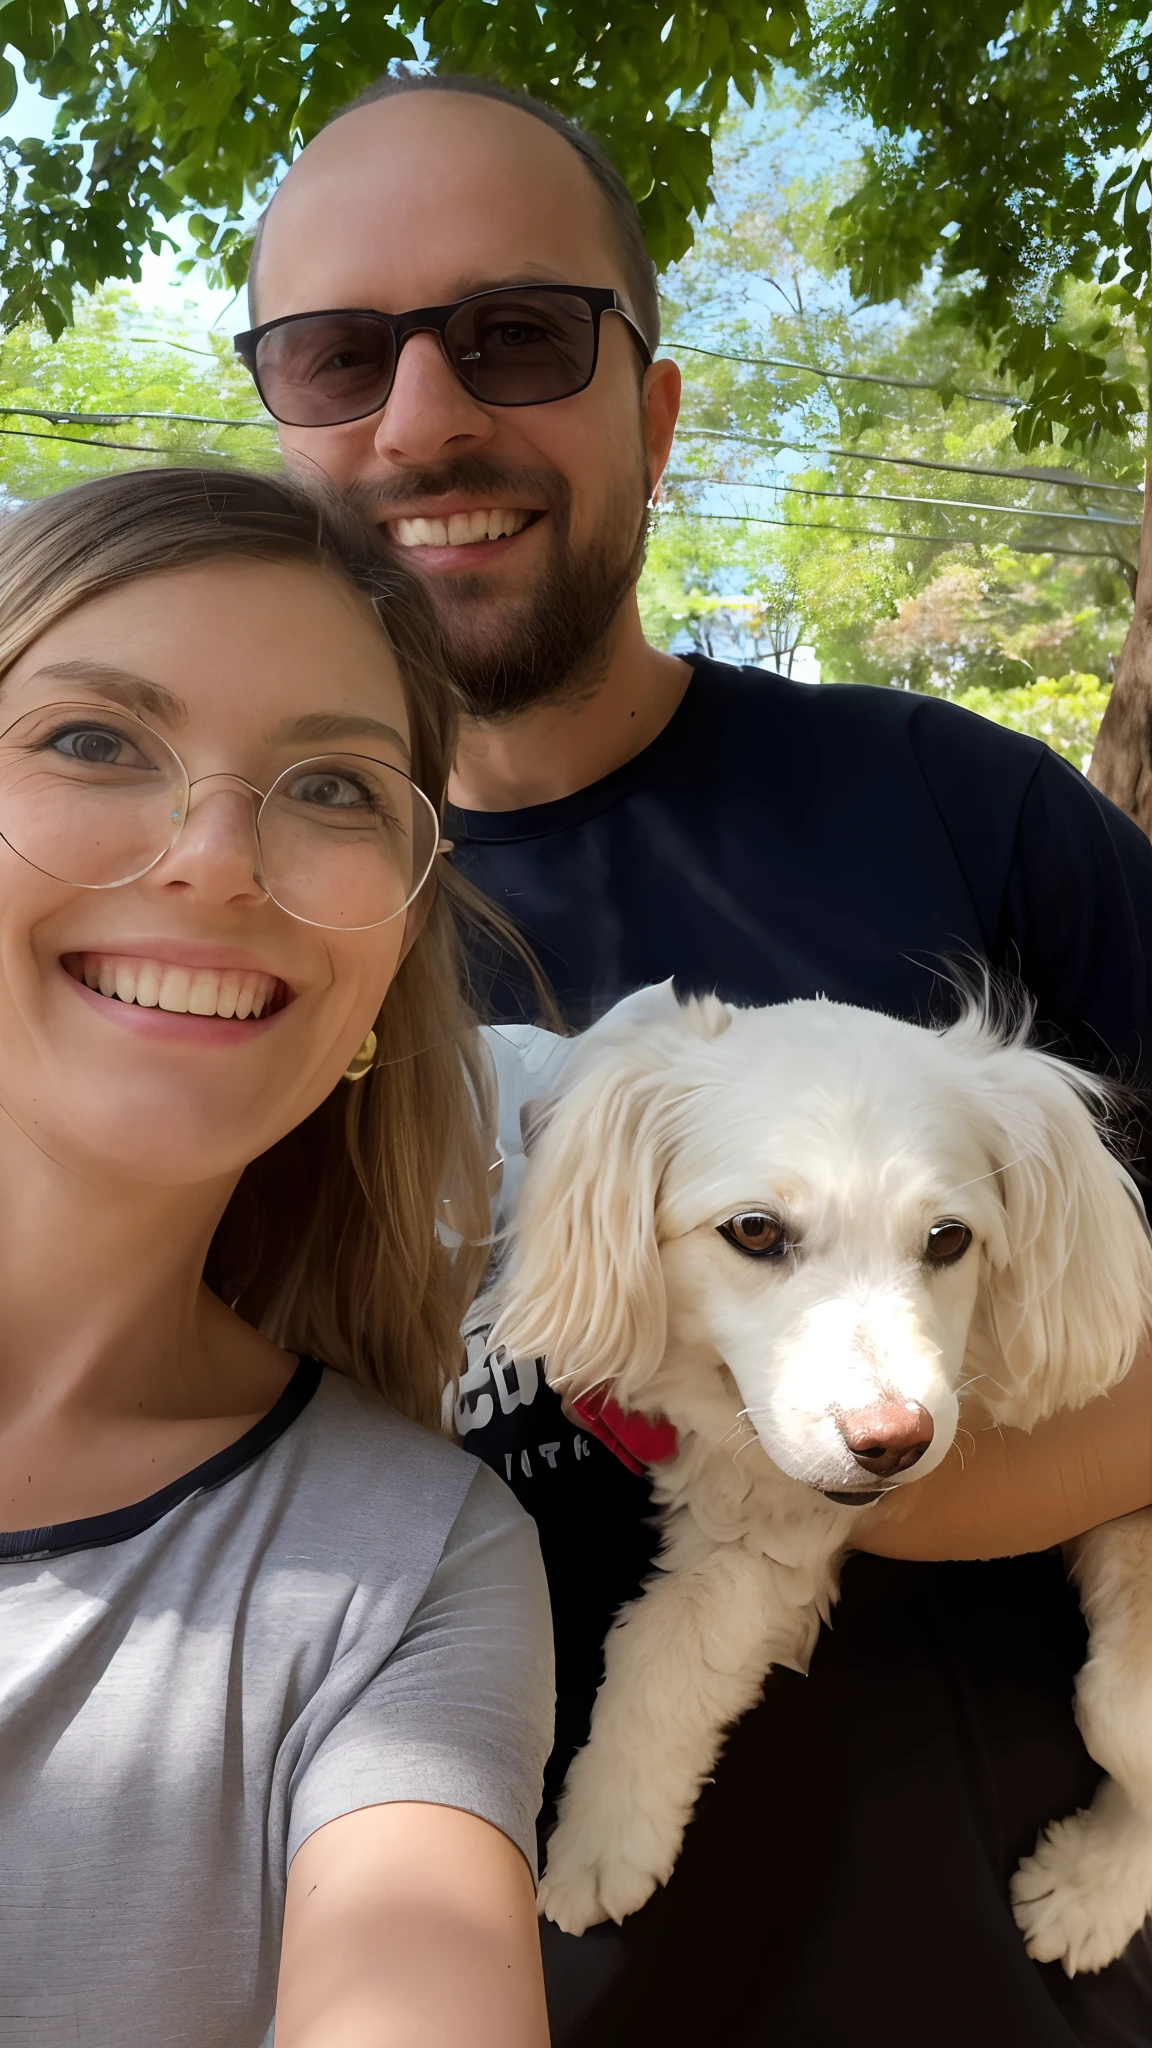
329 1243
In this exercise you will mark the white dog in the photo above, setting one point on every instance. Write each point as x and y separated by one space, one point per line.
800 1234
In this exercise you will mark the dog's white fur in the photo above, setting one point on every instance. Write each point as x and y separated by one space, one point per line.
861 1131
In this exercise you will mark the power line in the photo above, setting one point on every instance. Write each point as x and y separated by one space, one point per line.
952 540
164 341
721 355
1067 478
906 498
116 419
86 441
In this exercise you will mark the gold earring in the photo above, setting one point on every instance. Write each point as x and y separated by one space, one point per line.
361 1062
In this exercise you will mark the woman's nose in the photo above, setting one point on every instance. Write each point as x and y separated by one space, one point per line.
218 851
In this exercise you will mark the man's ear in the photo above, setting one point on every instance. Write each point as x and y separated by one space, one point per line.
661 402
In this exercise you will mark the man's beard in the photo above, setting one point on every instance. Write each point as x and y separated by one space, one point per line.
550 645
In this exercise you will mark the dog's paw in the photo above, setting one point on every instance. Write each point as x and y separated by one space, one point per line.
1080 1898
576 1899
597 1874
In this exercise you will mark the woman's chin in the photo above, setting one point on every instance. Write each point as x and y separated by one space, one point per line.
163 1123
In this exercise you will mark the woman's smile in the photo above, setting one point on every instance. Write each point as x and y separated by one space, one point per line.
189 1002
199 990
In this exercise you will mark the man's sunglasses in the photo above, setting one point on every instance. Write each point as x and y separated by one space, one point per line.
519 345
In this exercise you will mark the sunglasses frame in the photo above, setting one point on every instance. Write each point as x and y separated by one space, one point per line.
434 320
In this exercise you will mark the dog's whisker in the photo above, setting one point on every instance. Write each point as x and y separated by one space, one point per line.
977 1376
1005 1166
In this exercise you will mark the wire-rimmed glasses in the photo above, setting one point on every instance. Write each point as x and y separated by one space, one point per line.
94 797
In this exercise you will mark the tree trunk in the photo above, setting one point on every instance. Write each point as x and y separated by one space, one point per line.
1121 765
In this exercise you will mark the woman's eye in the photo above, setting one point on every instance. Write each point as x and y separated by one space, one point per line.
756 1232
947 1242
330 792
95 747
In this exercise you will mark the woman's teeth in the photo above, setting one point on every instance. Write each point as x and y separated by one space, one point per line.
193 991
459 529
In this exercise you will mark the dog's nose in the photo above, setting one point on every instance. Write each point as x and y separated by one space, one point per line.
887 1438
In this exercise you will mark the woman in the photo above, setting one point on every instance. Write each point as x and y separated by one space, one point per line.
273 1659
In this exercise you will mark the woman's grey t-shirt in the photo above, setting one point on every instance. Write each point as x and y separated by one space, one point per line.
341 1611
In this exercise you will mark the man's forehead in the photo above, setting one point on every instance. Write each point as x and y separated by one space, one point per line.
419 199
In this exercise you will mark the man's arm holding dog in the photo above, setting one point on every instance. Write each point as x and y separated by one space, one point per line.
1020 1490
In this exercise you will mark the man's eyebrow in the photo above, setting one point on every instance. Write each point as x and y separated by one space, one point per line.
524 273
320 726
133 692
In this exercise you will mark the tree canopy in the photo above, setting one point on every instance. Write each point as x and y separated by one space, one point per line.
194 108
1001 197
1013 158
1012 154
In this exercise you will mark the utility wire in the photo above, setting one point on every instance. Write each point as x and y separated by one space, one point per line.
116 419
906 498
121 447
722 355
163 341
1067 478
952 540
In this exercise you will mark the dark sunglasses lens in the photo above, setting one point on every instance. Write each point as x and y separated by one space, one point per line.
323 370
522 347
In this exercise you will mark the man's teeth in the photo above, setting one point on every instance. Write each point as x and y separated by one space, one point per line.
459 529
193 991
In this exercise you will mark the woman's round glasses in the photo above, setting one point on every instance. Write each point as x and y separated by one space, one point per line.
95 798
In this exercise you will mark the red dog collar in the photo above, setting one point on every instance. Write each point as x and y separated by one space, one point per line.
636 1440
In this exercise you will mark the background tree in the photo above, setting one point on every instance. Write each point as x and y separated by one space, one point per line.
115 387
1013 160
1005 180
911 541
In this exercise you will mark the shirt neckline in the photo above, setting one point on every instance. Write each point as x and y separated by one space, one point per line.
93 1532
536 821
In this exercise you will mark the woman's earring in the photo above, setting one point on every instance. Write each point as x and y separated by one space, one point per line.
361 1062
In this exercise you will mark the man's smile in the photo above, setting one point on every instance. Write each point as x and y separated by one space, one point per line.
461 529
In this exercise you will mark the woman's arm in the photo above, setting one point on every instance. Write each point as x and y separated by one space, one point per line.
410 1926
1018 1490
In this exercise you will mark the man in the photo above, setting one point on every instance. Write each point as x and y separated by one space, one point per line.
641 816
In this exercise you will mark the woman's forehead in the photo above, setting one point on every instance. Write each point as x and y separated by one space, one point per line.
259 642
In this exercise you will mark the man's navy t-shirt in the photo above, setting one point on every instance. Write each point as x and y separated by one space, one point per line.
778 840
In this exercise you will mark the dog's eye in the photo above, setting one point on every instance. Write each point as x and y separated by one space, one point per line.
947 1242
756 1232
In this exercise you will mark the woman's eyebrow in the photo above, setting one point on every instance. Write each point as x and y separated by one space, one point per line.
340 725
135 693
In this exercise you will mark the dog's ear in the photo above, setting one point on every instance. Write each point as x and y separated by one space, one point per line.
1069 1288
583 1285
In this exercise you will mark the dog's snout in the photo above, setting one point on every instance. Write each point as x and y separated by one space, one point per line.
887 1438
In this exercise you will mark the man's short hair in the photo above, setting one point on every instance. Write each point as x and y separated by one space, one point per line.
637 266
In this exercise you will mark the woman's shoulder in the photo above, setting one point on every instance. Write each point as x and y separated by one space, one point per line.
365 1463
381 1487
